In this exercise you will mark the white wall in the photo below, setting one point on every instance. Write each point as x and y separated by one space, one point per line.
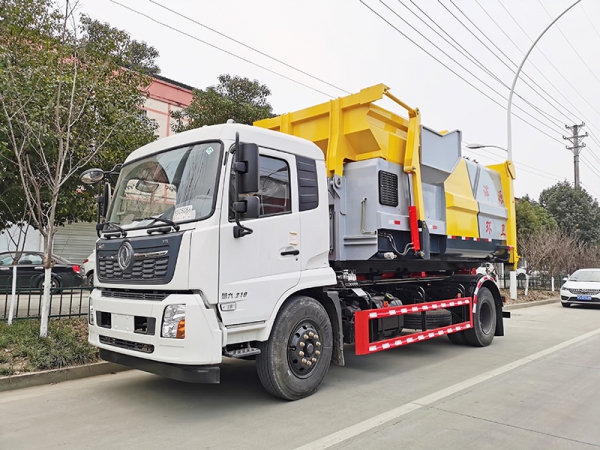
33 240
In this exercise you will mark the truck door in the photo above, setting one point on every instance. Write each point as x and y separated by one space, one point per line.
257 269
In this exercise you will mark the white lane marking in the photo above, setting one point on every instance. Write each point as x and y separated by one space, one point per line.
374 422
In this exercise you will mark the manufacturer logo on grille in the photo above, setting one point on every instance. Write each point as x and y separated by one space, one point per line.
125 256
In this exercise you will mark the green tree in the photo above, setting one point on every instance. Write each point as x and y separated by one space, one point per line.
532 218
66 103
237 98
575 211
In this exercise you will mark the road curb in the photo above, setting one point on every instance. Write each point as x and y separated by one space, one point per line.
529 304
58 375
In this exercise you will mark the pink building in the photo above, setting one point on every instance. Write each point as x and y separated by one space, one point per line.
166 96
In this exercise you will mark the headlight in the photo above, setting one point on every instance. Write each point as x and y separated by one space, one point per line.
91 312
173 325
564 288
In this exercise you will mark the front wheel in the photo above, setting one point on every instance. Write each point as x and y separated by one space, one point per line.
90 279
484 320
296 358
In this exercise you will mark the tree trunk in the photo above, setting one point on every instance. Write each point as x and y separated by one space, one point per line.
13 298
45 303
48 263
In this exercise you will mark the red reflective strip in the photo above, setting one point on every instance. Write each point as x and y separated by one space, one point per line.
362 318
387 275
396 222
411 338
414 228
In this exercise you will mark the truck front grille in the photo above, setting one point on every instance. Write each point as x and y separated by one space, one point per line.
130 294
128 345
143 269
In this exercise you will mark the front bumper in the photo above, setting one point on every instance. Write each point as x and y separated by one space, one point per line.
201 346
189 374
571 299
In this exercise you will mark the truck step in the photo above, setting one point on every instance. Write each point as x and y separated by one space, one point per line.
241 352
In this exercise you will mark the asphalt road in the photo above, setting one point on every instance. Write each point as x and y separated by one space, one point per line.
535 388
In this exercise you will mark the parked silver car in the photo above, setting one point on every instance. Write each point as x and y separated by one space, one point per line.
583 288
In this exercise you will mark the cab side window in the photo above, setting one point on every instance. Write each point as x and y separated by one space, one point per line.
273 187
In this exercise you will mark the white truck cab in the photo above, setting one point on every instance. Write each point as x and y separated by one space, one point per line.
174 285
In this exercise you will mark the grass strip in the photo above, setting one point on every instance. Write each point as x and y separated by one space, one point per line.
22 350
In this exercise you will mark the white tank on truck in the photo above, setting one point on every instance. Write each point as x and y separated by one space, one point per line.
342 224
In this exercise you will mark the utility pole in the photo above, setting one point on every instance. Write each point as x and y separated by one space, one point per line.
577 144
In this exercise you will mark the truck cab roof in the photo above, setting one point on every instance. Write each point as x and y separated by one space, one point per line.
226 132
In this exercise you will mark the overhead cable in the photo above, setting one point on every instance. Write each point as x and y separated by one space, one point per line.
219 48
454 72
248 46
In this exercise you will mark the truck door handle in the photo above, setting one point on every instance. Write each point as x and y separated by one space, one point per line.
290 252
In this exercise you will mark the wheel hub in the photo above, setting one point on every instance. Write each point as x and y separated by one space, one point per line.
304 349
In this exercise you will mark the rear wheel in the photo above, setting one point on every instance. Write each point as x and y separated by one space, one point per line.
296 358
484 320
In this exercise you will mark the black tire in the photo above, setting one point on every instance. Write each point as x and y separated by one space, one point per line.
282 365
521 276
565 305
458 338
54 285
90 279
484 320
435 319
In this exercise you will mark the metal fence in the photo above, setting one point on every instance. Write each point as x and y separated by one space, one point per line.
542 283
68 302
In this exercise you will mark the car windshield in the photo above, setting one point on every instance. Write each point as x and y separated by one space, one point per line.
586 275
178 184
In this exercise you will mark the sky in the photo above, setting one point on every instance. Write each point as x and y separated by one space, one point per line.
453 59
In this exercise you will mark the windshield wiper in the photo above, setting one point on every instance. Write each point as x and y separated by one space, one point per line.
161 229
120 232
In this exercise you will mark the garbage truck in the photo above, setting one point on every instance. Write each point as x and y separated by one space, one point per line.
340 227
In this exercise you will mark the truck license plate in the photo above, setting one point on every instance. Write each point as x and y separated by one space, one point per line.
584 297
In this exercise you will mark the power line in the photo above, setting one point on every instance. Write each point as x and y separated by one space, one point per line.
249 47
513 63
518 164
533 64
551 63
569 42
462 50
454 72
589 190
460 65
589 20
219 48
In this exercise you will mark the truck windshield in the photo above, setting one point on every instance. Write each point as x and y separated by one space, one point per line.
178 184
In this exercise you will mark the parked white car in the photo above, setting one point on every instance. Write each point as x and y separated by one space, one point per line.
89 266
581 288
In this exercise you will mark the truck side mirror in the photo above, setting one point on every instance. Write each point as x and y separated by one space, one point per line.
246 167
249 207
